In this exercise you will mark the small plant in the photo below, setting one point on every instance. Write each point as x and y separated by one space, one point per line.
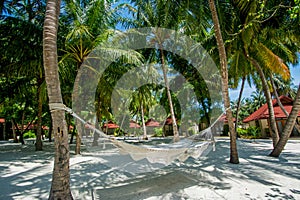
158 132
243 133
252 132
29 134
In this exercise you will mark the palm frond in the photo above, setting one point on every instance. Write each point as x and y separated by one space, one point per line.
272 61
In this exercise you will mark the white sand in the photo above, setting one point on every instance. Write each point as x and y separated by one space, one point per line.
26 174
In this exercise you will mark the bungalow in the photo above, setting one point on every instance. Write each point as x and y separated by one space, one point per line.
260 117
109 127
133 124
134 127
168 126
151 124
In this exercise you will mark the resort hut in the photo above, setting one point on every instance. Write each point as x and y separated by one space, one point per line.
260 117
109 127
151 124
134 126
168 126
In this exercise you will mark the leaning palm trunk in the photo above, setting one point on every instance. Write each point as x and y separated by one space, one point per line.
280 104
272 121
79 126
223 62
290 123
174 124
60 188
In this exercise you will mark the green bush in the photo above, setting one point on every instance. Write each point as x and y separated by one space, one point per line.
158 132
242 132
252 132
29 134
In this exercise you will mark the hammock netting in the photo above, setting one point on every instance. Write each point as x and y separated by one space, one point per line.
194 146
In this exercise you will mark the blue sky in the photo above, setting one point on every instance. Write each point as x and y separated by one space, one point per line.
295 73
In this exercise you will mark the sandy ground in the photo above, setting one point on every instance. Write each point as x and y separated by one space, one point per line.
104 174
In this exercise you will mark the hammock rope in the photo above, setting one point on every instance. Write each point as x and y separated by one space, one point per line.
193 146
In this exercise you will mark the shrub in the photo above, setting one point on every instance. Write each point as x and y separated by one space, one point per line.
158 132
242 132
29 134
252 132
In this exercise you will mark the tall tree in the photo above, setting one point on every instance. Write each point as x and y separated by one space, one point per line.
262 42
164 14
60 187
223 63
290 123
21 26
88 26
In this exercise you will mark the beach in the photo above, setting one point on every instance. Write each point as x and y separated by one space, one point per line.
104 174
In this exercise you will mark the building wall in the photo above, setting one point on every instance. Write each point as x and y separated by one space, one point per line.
263 125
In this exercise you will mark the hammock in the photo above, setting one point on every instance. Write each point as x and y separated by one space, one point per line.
193 146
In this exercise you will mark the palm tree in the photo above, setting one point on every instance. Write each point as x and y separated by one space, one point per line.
89 23
259 50
163 14
223 62
23 20
60 187
142 100
290 123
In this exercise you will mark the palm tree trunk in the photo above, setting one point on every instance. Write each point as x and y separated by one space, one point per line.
145 137
290 123
78 137
21 138
239 104
174 124
280 104
206 114
272 121
14 131
79 126
50 132
223 62
60 187
39 143
4 130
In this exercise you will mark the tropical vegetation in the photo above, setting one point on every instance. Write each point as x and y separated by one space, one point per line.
45 43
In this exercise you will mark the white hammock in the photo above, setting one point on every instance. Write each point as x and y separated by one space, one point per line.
193 146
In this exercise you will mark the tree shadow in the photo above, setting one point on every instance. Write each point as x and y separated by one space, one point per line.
105 174
25 174
210 172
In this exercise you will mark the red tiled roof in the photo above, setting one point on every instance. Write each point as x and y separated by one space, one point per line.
110 125
133 124
263 112
152 123
2 120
